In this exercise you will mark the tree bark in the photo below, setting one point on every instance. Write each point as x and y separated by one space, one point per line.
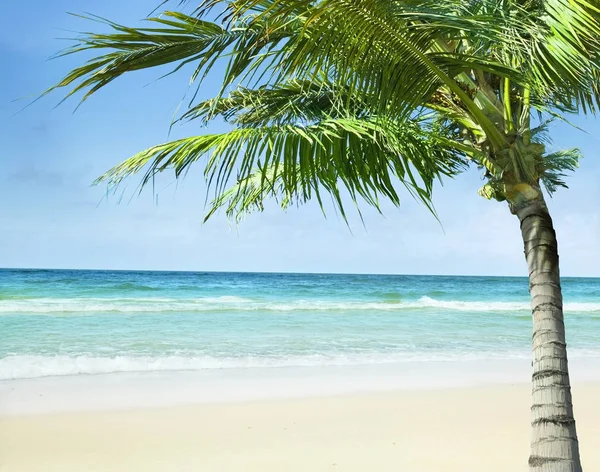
554 445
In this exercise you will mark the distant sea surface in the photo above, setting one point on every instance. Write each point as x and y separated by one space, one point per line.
64 323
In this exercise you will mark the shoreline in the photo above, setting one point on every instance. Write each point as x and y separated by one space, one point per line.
139 390
127 390
450 430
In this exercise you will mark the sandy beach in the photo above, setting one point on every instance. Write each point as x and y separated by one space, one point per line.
461 429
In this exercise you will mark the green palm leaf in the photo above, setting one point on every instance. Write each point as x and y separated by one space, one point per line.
366 156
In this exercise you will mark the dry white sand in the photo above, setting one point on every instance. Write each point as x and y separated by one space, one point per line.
467 429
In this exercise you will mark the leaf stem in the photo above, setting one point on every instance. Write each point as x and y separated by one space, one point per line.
526 115
507 106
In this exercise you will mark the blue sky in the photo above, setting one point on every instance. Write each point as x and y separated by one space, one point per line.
50 215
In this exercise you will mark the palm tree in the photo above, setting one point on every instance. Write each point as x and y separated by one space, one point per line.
350 98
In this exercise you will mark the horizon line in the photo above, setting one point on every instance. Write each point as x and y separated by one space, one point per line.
279 272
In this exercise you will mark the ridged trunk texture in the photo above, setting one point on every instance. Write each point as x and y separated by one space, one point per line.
554 445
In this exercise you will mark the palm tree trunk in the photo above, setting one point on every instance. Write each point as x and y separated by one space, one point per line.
554 445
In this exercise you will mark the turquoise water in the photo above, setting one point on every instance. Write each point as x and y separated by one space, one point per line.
60 322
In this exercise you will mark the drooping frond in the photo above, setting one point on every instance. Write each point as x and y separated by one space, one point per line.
367 157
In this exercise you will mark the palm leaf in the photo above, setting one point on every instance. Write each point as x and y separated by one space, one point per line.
366 156
292 101
554 166
181 39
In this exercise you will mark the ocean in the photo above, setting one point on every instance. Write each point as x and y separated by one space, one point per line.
71 323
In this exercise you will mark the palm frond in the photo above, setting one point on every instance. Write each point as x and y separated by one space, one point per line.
368 157
292 101
554 166
180 39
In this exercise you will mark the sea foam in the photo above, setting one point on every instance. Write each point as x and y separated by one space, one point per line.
33 366
232 303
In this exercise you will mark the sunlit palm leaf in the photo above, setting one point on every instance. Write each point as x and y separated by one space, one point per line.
367 156
293 101
181 40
